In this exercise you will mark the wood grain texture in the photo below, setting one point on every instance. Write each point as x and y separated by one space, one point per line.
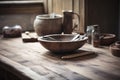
91 12
22 13
76 6
102 13
31 61
19 7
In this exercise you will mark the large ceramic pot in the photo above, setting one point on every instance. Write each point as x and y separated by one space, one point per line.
45 24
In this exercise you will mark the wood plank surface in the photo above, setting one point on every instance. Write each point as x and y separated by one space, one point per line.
31 61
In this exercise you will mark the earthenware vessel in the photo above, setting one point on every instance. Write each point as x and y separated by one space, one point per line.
115 50
60 43
117 44
46 24
12 31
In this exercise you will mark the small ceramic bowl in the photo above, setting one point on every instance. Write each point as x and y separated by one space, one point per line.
117 44
59 43
107 39
115 50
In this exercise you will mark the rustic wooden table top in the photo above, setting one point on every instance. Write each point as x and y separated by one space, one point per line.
30 61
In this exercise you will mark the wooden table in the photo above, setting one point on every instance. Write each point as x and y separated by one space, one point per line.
30 61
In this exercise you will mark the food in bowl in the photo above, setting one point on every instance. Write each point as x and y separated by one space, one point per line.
59 43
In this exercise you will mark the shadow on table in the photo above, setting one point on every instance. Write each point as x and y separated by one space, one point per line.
72 56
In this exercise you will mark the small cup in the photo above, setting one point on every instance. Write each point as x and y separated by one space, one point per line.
117 44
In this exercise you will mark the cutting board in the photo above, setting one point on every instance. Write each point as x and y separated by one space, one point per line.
30 37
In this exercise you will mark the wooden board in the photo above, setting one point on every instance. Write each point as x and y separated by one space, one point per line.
31 37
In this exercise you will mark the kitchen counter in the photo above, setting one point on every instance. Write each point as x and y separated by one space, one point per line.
31 61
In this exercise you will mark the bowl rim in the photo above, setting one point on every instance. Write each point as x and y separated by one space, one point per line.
113 47
47 17
40 38
108 34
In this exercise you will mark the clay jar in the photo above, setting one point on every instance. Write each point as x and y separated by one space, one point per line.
46 24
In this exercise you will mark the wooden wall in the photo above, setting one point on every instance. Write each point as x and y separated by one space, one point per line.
101 12
19 13
77 6
119 22
104 13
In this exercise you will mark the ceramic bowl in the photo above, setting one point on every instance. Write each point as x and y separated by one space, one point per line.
60 43
117 43
115 50
107 39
